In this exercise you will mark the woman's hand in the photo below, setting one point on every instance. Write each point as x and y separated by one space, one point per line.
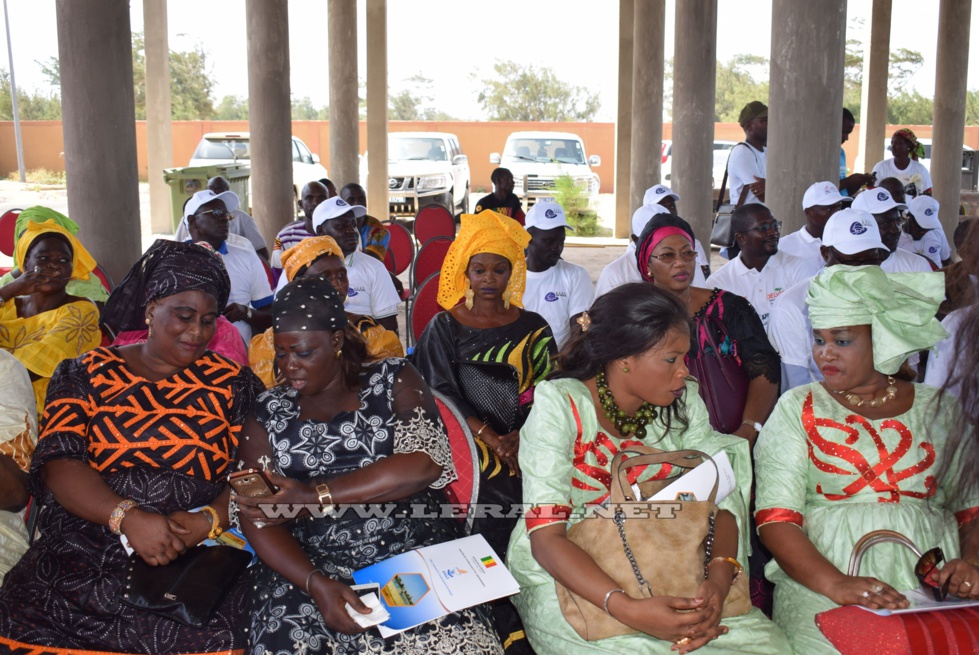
331 598
963 579
291 492
669 618
154 537
196 525
869 592
504 446
30 281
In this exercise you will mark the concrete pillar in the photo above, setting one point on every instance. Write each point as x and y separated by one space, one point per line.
951 71
344 117
270 115
805 108
623 123
873 93
377 108
647 96
159 144
98 122
694 63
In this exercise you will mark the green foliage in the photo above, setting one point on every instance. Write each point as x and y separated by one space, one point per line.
574 201
303 110
415 102
34 106
739 80
232 108
528 93
910 108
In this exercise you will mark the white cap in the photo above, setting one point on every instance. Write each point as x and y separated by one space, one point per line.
821 194
851 231
654 195
201 198
925 212
334 207
546 215
876 201
644 214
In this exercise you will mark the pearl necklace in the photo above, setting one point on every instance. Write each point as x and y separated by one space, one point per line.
625 424
857 401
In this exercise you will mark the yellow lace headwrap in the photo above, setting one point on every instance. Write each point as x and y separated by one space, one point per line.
487 232
306 252
82 262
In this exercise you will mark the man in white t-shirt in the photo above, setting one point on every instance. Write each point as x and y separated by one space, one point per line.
557 290
890 218
667 197
851 238
371 291
624 269
746 164
820 201
923 234
242 224
761 271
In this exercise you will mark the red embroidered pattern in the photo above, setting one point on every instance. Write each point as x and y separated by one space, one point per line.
881 477
777 515
967 515
542 515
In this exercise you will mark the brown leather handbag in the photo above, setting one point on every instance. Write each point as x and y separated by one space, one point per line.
649 548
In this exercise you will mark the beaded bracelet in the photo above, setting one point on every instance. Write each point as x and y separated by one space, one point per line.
118 514
214 520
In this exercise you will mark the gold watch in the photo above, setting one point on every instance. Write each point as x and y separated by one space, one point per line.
325 499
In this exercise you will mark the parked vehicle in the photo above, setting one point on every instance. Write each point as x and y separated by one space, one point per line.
970 169
722 149
537 159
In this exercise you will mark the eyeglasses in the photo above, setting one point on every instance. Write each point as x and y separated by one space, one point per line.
926 570
669 257
775 226
220 214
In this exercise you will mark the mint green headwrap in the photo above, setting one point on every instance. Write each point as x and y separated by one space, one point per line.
41 214
899 307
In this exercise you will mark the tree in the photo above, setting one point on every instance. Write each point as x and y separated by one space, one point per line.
33 106
740 80
303 110
416 102
232 108
529 93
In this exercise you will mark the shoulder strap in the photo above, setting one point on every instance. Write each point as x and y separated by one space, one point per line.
720 196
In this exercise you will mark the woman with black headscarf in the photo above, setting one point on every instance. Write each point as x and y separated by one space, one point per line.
134 439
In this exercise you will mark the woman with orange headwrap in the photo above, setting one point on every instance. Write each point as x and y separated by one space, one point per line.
40 322
321 256
487 354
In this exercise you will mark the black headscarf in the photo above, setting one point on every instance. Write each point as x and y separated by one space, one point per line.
308 303
167 268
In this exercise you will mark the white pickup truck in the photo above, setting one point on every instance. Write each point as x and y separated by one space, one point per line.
537 159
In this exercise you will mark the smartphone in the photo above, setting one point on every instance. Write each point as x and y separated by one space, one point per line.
251 483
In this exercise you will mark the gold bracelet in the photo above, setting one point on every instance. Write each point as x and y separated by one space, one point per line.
214 520
323 495
480 432
738 569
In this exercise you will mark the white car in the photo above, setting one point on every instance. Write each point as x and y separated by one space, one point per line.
424 168
722 149
233 147
537 159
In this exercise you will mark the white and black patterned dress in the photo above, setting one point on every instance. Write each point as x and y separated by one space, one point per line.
396 415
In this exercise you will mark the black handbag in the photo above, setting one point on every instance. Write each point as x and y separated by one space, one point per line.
188 589
722 232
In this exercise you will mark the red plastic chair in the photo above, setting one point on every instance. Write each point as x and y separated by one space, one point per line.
434 221
104 277
7 223
429 259
424 306
465 489
401 246
389 262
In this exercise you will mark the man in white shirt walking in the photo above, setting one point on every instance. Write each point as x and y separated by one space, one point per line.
890 220
557 290
819 202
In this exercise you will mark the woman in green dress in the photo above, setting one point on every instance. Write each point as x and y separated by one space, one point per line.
632 351
861 451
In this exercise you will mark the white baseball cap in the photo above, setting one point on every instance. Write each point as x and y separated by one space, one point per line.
644 214
925 212
334 207
876 201
655 194
851 231
821 194
201 198
546 215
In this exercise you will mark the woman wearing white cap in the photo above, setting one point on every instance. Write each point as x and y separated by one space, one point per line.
923 234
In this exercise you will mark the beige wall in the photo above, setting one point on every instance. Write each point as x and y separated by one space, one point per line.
44 146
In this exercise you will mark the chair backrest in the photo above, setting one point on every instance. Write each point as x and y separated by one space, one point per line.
7 224
434 221
389 262
429 259
104 278
424 306
401 245
465 489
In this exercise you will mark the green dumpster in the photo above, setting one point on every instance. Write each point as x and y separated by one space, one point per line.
236 174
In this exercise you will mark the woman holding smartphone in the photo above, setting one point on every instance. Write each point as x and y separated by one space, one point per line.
342 432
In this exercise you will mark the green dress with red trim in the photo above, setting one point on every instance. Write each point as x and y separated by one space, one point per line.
565 459
839 475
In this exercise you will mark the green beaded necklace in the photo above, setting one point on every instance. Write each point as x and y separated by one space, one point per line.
625 424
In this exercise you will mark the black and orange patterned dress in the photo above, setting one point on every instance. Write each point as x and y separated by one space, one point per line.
167 445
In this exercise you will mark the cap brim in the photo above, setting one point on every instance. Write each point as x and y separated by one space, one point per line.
852 247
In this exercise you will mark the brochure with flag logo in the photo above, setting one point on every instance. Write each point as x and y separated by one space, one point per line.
427 583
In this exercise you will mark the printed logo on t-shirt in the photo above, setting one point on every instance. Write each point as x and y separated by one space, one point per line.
933 249
882 196
856 228
351 293
550 297
550 213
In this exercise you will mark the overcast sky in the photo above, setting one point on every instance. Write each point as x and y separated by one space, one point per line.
455 42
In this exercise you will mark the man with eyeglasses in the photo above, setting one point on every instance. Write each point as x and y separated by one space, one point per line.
820 201
760 272
242 226
850 237
890 218
208 216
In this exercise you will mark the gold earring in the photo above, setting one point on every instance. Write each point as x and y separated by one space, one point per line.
469 294
507 294
625 369
339 352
